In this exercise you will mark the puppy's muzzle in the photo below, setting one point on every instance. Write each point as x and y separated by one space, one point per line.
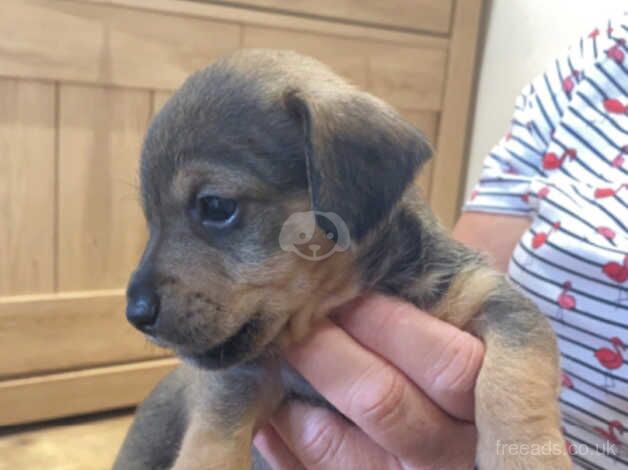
142 308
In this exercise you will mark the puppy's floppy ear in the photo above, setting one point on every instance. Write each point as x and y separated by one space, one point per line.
360 154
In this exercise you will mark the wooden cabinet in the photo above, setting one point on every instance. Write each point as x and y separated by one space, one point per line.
79 82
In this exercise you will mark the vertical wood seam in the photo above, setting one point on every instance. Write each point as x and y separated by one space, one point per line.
456 103
452 15
56 189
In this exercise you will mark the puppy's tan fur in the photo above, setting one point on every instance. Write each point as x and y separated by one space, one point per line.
282 118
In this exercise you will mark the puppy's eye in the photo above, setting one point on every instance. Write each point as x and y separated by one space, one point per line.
215 211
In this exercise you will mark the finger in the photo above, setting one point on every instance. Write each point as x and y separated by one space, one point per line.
275 452
441 359
322 439
378 398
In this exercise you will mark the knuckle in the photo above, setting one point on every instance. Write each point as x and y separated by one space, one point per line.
378 399
320 442
457 364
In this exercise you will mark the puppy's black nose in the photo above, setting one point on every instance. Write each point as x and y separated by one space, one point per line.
142 306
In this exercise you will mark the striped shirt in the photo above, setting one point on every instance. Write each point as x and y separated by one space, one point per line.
564 164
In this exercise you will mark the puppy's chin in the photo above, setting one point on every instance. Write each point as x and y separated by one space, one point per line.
245 344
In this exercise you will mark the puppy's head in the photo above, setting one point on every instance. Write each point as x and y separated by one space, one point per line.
256 170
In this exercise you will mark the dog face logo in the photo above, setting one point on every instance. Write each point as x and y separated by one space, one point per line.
299 235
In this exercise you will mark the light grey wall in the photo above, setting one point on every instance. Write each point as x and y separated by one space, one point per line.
522 39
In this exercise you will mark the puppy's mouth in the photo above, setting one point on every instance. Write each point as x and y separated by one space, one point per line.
231 351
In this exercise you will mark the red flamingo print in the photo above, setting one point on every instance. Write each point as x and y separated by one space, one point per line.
593 34
571 449
543 192
613 105
568 84
565 300
611 359
601 193
551 161
619 160
617 272
540 238
609 433
566 381
606 232
616 53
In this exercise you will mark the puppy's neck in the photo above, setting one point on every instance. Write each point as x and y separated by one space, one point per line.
409 255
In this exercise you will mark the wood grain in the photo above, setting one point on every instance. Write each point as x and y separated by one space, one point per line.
75 330
427 15
159 99
27 159
101 227
425 121
237 15
79 392
408 77
77 444
344 56
450 161
105 44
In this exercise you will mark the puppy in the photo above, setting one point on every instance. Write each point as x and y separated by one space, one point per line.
256 170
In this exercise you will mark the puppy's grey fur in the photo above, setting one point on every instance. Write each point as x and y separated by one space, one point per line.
281 133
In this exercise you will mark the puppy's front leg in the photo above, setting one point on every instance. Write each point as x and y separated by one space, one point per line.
226 407
206 447
516 394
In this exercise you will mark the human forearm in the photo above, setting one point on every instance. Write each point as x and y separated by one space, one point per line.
493 234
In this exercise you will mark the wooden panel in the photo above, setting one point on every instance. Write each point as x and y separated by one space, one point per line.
428 15
406 77
78 41
76 444
101 228
70 393
449 165
425 121
159 99
343 55
76 330
27 156
263 18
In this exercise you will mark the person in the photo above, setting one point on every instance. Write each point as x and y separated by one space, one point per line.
550 210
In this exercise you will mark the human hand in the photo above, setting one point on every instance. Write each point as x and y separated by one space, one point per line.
403 377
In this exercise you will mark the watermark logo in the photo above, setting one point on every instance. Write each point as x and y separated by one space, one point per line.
299 235
554 448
